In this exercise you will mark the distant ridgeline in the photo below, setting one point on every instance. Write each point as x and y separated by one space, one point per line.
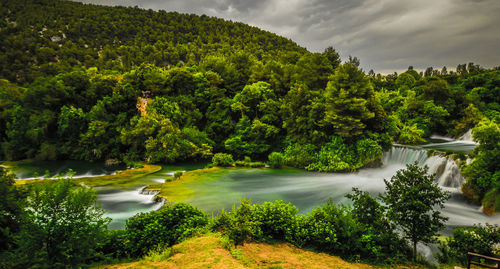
72 77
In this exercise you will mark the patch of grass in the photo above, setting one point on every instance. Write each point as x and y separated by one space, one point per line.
124 176
208 251
160 254
238 254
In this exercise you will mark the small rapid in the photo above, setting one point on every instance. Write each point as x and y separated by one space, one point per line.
445 168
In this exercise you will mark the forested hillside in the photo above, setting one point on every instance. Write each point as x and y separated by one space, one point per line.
72 76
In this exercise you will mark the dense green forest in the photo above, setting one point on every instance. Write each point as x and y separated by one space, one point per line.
73 77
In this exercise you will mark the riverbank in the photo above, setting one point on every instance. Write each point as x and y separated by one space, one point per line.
121 177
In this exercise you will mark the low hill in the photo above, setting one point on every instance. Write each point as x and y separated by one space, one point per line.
209 251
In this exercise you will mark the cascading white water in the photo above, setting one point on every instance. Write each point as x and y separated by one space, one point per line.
467 136
404 155
446 169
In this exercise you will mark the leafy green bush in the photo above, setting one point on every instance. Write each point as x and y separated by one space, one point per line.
177 174
479 239
276 160
63 224
410 134
256 164
114 244
277 219
300 156
333 229
334 156
238 225
166 226
247 162
11 213
222 159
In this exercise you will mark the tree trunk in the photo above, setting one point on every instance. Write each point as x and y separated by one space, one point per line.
415 251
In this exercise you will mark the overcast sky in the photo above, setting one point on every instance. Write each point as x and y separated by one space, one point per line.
387 35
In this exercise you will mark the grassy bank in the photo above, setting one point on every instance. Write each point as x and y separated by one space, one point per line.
122 177
212 251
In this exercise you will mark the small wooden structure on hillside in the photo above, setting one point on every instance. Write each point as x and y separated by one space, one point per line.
483 259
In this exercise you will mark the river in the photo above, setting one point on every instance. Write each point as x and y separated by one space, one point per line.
306 190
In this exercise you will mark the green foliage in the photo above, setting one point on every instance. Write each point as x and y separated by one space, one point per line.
380 242
238 225
349 106
113 245
334 156
276 160
482 173
257 128
302 110
159 254
410 135
276 219
299 155
164 227
479 239
333 229
413 198
340 156
405 80
11 212
177 174
63 225
247 162
222 159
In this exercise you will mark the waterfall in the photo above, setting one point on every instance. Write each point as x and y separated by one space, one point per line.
446 169
467 136
145 191
404 155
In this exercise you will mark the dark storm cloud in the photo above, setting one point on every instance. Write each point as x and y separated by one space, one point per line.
386 35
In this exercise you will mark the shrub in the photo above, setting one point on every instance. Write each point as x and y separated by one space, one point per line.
333 229
63 226
480 239
222 159
177 174
334 156
240 163
277 219
255 164
238 225
113 245
276 160
300 156
165 227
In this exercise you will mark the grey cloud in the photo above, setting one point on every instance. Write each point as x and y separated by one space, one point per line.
385 34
